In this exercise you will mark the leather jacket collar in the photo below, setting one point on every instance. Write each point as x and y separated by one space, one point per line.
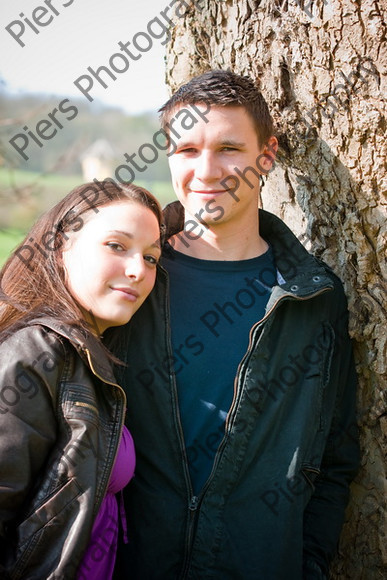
88 346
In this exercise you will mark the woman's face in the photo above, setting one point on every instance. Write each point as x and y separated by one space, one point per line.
110 263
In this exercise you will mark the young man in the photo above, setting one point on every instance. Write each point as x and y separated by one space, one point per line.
241 397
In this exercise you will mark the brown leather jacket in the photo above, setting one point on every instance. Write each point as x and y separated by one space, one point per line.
61 417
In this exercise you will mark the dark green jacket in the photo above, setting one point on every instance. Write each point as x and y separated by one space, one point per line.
274 504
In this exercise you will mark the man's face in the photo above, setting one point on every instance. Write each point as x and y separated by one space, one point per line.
207 163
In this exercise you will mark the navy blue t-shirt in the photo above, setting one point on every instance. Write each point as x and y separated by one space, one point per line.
214 304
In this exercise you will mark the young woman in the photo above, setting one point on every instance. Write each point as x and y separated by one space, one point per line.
88 264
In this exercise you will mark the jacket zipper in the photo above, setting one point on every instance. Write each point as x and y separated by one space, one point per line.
86 350
231 413
195 501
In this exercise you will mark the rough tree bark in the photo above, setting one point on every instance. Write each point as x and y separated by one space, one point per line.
322 67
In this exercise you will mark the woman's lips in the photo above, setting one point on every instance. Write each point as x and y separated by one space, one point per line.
128 293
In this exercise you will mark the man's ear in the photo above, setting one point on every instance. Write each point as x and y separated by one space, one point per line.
268 155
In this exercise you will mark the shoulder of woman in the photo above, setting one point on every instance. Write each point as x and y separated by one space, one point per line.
32 336
35 347
32 364
46 345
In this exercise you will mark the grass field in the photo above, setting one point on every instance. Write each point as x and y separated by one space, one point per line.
9 239
58 184
41 192
52 187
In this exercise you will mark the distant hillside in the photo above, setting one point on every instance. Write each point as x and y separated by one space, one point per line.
71 127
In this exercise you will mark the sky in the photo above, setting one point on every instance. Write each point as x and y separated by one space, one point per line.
62 38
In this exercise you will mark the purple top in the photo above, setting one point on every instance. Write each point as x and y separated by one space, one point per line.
99 558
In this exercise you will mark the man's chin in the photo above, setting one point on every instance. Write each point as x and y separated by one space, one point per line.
210 213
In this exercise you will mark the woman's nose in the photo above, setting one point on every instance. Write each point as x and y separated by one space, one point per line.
135 268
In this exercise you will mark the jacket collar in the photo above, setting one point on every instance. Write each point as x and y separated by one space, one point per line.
87 345
300 274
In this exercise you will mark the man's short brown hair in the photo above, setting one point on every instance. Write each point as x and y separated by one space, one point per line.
223 88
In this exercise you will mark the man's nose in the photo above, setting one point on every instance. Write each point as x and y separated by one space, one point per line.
207 167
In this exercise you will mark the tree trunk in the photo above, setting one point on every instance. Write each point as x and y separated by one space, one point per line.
322 69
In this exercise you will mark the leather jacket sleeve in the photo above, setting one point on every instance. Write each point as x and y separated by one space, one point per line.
31 362
324 515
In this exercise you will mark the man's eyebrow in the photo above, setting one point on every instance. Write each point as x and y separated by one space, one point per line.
233 143
185 143
222 142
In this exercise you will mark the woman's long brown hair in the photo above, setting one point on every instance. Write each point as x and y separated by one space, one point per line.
32 281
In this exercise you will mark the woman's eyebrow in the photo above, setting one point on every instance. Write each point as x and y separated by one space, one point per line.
127 234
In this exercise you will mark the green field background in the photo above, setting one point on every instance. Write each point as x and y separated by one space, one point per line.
43 191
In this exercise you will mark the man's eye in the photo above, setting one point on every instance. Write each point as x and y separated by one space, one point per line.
115 246
187 150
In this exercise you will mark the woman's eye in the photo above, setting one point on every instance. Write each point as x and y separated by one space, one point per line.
151 259
115 246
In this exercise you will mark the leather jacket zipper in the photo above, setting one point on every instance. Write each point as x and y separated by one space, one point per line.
102 495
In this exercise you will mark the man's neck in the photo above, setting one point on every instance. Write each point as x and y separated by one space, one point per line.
220 242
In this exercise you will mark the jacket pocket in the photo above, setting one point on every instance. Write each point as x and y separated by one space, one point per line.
310 475
79 403
322 372
47 512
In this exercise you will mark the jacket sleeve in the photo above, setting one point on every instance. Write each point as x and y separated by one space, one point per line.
324 515
29 373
